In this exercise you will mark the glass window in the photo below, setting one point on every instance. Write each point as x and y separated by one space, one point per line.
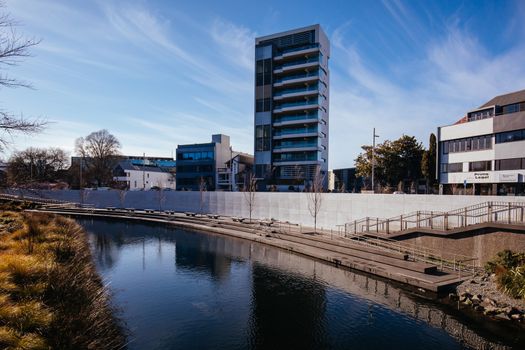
262 138
263 105
445 147
263 72
510 164
513 108
510 136
451 167
468 144
484 165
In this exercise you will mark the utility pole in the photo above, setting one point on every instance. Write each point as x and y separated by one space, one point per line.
231 169
143 171
80 171
373 158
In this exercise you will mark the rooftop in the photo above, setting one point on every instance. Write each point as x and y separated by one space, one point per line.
506 99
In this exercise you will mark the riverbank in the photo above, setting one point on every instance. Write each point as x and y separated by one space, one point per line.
393 264
497 292
51 296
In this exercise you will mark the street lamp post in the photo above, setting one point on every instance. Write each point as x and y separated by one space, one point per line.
231 169
373 158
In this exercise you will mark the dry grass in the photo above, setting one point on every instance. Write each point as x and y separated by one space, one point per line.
50 294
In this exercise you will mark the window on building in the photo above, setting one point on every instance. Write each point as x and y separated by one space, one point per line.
467 144
451 167
484 165
510 136
478 115
512 108
263 72
195 156
262 138
262 170
509 164
263 105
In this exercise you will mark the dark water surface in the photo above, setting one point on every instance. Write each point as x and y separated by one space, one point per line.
186 290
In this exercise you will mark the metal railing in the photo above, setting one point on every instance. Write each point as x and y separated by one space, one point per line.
463 265
488 212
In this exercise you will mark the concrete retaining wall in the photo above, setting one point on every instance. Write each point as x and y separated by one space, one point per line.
336 209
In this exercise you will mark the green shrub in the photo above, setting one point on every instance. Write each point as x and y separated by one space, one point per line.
506 259
509 268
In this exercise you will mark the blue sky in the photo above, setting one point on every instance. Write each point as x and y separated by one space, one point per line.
161 73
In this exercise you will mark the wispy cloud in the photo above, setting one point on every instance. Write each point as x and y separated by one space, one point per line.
455 74
235 43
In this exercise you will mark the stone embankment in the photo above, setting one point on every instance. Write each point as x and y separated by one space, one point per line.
482 294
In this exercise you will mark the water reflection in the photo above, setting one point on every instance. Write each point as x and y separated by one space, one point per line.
182 289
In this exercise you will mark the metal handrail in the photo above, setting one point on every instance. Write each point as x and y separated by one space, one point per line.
493 212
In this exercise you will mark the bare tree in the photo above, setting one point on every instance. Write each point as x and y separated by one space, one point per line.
202 188
36 165
122 197
161 195
250 191
13 48
315 196
99 151
83 194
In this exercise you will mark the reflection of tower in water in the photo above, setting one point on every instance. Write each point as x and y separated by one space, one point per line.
281 305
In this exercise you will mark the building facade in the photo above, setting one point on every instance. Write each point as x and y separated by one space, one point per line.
207 165
141 175
235 173
484 152
345 180
291 107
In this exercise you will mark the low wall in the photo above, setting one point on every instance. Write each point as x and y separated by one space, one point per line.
336 208
478 244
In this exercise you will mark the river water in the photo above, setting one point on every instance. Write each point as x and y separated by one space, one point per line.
179 289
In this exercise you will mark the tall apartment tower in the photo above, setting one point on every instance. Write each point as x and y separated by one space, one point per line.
291 107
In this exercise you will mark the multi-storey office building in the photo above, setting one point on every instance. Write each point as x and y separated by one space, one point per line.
485 150
197 164
291 106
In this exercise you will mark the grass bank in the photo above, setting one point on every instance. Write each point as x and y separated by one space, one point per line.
51 296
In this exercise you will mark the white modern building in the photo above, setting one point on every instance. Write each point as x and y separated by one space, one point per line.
484 152
143 176
291 107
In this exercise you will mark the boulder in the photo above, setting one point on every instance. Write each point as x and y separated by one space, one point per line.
467 301
490 310
502 316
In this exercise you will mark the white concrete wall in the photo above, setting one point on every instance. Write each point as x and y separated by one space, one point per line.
474 128
135 179
336 209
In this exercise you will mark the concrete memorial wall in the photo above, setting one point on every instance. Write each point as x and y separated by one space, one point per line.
336 208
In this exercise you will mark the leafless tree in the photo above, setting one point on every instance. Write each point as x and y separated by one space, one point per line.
161 195
13 48
122 197
83 194
99 151
315 196
250 191
36 165
202 188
